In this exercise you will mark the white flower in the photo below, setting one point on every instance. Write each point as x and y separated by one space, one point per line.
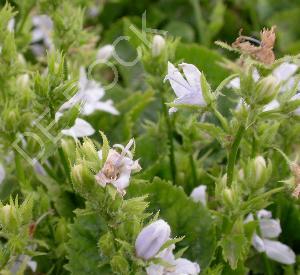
2 173
118 167
180 266
105 52
11 24
151 239
158 45
90 94
188 90
270 228
80 129
43 27
274 104
199 194
296 97
18 264
283 74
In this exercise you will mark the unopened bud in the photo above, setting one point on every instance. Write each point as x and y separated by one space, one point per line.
199 194
260 167
266 89
89 150
82 179
151 239
23 81
229 197
119 265
6 211
158 44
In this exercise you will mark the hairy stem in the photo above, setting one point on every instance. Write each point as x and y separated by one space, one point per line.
170 138
233 154
200 23
194 172
19 168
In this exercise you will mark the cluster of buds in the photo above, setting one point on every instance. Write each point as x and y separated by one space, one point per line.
256 173
151 245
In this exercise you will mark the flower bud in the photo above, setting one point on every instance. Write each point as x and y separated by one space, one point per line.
89 151
119 265
82 179
5 213
266 89
199 194
158 44
228 196
260 167
23 81
151 239
105 52
11 119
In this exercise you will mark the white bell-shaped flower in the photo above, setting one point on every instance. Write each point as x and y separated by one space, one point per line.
151 239
188 90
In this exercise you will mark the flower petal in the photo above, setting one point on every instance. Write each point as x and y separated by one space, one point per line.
186 267
191 99
284 71
258 243
106 106
264 214
199 194
279 252
2 173
192 75
269 228
81 128
274 104
180 86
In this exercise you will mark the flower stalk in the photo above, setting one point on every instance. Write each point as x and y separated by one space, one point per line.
233 154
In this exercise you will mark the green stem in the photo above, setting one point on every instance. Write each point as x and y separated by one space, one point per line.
19 168
233 154
170 138
23 20
64 163
194 172
254 146
222 119
265 258
200 23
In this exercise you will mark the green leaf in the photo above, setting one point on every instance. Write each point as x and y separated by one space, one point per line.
82 251
233 248
185 217
105 147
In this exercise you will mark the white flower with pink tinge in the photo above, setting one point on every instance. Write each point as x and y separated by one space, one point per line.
118 167
188 90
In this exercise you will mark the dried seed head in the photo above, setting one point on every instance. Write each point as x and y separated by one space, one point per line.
260 50
268 37
295 168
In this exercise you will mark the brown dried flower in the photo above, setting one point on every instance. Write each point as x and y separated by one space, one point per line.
263 50
295 168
